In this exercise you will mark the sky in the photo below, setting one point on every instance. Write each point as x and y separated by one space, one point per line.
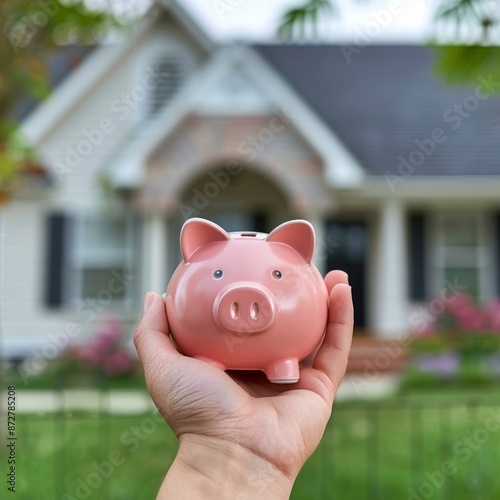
226 20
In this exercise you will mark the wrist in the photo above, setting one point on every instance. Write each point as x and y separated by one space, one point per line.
214 468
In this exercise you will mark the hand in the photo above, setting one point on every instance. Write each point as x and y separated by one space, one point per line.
241 436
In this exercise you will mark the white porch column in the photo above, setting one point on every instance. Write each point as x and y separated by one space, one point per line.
321 251
155 254
389 290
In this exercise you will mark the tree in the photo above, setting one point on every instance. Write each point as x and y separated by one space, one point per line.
475 24
32 31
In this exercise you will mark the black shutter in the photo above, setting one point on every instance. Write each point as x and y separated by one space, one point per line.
56 232
497 254
417 265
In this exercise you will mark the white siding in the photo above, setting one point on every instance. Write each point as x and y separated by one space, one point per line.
22 253
104 102
25 322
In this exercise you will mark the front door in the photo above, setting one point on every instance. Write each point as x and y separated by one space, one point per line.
240 221
347 242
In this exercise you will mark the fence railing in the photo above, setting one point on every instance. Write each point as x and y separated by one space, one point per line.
400 448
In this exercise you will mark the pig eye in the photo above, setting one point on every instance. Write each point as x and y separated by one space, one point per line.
277 275
218 274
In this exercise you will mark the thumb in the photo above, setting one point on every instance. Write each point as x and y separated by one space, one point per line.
151 337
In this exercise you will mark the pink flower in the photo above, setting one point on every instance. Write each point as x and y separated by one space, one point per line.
492 311
88 354
109 337
104 351
470 318
117 363
428 330
459 302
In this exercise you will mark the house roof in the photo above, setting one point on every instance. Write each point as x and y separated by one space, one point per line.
59 64
386 98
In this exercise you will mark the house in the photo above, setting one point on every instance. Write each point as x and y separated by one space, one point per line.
399 174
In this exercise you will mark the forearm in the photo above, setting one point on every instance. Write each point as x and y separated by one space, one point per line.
208 468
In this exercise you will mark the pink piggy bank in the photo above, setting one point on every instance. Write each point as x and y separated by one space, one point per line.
246 300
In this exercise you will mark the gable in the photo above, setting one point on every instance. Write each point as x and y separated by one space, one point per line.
236 81
153 38
265 144
233 93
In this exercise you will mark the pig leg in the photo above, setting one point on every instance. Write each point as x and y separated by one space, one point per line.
283 372
308 361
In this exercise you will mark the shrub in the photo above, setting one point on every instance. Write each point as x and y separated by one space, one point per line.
461 344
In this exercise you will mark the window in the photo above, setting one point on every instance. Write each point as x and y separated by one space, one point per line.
463 253
159 72
169 74
102 259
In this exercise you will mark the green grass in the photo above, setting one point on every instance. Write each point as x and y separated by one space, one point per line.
51 380
370 450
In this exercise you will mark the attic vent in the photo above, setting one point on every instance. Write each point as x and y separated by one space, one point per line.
169 74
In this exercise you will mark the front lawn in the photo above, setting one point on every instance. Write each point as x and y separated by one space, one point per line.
440 448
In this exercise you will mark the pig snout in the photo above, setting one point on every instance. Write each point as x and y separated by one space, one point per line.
245 308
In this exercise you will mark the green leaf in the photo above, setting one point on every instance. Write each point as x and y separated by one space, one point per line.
33 29
464 64
458 9
296 20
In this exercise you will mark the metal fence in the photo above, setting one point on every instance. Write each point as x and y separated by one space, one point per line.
399 448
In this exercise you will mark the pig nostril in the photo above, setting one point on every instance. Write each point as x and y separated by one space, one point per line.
254 310
235 310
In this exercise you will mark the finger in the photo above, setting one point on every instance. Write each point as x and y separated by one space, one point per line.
151 336
333 355
334 278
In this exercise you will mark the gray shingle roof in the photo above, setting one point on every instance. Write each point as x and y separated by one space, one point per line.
59 64
386 98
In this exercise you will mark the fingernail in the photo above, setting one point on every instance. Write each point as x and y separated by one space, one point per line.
148 301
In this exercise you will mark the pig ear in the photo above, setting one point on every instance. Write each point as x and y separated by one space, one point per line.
298 234
196 233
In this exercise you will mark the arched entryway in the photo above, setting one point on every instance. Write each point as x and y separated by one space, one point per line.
205 168
236 198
